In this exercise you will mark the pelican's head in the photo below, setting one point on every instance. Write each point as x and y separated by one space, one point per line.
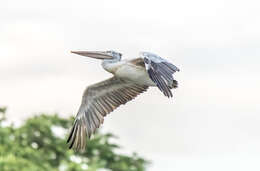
104 55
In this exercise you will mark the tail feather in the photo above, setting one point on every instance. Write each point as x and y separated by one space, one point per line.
173 84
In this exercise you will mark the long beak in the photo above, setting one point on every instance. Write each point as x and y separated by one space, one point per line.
94 54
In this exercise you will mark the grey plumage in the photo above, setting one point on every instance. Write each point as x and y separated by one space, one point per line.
161 72
131 78
99 100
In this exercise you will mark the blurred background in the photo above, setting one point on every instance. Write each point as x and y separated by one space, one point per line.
212 123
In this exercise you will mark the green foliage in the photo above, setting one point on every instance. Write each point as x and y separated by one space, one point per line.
40 144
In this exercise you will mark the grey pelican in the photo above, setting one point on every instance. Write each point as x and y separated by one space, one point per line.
131 77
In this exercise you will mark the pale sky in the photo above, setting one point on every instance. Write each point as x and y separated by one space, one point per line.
212 123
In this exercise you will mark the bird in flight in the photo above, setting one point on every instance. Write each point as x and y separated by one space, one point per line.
131 78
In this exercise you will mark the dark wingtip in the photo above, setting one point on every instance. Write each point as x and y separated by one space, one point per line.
72 136
70 147
71 133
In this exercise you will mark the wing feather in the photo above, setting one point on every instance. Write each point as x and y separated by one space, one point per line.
99 100
161 73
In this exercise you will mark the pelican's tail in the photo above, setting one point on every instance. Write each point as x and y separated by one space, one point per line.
173 84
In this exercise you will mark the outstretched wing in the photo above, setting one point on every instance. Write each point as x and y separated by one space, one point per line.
99 100
161 73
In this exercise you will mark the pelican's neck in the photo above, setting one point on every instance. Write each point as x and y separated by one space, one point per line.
111 65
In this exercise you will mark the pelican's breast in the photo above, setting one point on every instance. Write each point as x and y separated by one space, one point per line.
135 73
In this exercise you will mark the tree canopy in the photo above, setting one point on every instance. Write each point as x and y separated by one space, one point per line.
39 144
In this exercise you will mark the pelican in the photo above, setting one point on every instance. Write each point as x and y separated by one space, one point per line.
131 78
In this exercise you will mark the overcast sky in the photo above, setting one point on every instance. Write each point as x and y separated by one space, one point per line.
213 121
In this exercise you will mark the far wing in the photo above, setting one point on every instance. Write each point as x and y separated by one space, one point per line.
161 73
99 100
